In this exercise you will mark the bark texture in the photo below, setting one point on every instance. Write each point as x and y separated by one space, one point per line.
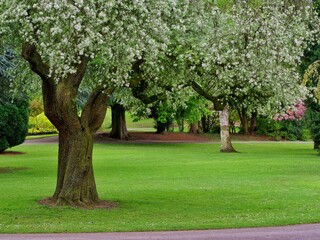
244 122
226 145
75 181
119 127
253 123
194 128
244 118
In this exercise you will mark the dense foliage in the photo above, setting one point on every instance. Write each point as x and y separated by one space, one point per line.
249 56
13 108
13 124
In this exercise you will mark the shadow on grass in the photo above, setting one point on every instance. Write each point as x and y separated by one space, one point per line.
10 153
11 169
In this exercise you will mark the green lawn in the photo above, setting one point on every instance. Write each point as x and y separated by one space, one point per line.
168 187
143 125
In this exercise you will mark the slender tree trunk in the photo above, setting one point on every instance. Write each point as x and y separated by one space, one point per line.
119 127
181 125
226 145
244 121
253 123
194 128
205 124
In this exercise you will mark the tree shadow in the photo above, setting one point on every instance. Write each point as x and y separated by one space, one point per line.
11 169
10 153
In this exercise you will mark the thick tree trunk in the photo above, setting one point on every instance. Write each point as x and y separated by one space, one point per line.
119 128
75 183
226 145
316 145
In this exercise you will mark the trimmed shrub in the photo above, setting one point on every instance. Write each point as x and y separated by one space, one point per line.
13 124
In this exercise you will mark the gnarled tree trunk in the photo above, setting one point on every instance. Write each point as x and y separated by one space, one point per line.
119 127
226 145
75 183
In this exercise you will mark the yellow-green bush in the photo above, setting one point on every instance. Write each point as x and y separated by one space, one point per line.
40 124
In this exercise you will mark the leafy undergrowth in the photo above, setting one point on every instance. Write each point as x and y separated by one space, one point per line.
167 187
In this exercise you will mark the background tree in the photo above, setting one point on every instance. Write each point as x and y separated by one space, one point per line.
238 56
119 127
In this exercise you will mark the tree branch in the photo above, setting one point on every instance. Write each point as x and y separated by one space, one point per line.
30 54
215 100
77 77
95 109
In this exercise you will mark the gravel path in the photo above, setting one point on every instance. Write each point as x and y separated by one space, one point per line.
296 232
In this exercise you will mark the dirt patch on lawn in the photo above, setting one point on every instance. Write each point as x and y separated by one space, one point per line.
11 169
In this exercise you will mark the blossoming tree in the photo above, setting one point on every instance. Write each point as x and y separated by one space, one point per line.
70 43
249 53
295 112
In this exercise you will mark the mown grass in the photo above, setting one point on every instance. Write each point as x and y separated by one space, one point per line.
146 125
167 187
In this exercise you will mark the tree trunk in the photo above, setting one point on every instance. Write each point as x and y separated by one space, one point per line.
161 127
205 124
75 183
244 121
226 145
119 128
316 145
194 128
181 125
253 123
